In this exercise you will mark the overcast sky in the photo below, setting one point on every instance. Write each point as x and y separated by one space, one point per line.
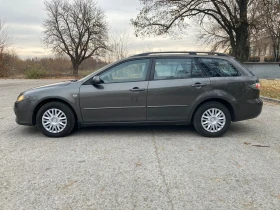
25 18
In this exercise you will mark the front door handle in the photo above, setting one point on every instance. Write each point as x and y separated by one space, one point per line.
199 85
137 89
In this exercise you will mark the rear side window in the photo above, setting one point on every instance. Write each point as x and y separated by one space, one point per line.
218 67
177 69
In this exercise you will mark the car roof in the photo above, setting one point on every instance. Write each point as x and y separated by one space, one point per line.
181 54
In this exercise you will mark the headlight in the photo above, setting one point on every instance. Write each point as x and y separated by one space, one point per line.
21 98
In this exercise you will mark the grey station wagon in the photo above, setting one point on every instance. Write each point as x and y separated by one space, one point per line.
208 90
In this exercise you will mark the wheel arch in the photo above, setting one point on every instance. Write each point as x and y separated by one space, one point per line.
226 103
48 100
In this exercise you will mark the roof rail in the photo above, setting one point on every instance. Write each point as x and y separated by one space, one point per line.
182 52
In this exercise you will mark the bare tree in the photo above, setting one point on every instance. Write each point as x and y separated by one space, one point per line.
213 35
270 27
78 29
159 17
118 47
5 36
5 42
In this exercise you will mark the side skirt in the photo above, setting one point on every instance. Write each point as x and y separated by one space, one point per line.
140 123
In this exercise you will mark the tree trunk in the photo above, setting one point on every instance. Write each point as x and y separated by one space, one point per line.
242 43
277 50
242 33
75 68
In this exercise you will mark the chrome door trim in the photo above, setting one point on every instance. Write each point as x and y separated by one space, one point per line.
122 107
133 107
166 106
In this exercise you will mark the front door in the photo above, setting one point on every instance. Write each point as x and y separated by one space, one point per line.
121 97
175 86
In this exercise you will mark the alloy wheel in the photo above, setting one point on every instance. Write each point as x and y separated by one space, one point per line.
213 120
54 120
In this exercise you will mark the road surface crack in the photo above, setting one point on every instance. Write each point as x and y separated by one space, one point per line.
161 171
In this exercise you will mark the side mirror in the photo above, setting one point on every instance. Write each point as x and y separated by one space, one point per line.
96 80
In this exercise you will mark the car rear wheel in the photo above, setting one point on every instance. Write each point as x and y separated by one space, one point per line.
55 119
212 119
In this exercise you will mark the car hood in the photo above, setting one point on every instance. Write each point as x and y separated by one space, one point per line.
50 86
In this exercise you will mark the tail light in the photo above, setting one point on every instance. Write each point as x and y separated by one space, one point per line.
256 86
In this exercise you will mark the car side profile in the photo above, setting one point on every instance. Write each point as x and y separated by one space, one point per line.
208 90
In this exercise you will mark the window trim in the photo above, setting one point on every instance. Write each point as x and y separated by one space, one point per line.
205 73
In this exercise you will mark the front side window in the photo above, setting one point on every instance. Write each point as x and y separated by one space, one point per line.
180 68
130 71
218 67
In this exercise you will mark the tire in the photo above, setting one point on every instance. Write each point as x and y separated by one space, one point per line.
55 119
212 119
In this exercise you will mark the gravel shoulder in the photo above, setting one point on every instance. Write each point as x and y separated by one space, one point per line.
153 167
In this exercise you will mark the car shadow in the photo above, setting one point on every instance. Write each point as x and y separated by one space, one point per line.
241 128
137 129
234 130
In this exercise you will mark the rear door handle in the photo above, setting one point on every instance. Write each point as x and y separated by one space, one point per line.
199 85
137 89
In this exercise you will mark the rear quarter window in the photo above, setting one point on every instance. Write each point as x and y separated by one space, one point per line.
243 67
218 67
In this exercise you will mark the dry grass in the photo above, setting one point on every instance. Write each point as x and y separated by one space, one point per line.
270 88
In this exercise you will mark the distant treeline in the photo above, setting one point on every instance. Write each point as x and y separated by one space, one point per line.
11 66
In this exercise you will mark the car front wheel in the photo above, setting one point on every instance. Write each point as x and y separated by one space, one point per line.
55 119
212 119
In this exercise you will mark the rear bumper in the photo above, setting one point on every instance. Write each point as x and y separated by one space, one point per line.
23 113
248 110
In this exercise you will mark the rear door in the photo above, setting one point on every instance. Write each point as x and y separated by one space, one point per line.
175 84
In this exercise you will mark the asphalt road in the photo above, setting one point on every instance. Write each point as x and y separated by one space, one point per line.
158 167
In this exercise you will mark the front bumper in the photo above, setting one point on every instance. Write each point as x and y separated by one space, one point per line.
23 113
248 109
